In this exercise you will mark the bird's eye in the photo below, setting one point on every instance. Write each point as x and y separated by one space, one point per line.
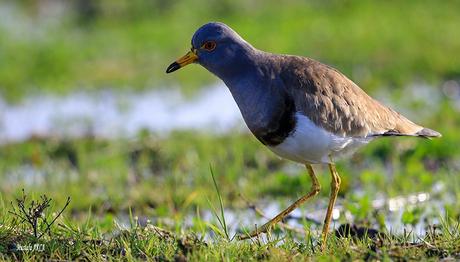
209 45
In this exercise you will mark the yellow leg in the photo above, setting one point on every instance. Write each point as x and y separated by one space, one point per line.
315 188
335 186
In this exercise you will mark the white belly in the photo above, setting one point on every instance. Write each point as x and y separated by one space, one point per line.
310 144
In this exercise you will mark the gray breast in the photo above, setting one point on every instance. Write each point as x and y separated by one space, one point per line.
269 112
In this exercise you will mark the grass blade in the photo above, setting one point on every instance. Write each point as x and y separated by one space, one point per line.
221 220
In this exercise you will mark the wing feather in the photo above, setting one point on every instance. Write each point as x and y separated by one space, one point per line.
337 104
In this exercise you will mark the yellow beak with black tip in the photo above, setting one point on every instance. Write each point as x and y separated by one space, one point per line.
189 58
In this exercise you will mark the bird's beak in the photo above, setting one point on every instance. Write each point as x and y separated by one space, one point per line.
189 58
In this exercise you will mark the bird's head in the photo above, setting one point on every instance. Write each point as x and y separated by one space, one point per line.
216 47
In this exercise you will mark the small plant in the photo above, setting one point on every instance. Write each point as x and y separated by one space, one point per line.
221 217
34 213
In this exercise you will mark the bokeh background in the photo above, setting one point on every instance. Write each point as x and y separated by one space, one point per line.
87 111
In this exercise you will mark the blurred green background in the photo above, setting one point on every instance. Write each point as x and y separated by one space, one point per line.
403 52
57 46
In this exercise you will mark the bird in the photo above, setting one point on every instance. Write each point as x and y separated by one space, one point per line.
299 108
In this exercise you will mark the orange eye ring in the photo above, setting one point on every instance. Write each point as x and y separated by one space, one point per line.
209 45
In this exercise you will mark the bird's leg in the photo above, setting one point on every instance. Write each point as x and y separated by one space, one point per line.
315 188
335 186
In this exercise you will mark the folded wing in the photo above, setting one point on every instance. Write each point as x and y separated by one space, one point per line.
337 104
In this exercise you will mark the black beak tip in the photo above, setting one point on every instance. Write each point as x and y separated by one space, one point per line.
172 67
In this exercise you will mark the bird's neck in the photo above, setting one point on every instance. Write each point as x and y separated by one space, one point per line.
244 79
243 63
262 100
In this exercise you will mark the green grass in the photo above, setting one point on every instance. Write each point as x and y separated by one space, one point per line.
223 231
88 242
123 46
101 237
167 179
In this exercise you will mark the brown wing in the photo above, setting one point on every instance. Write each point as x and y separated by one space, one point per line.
334 102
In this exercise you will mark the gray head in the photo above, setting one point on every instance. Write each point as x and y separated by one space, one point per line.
218 48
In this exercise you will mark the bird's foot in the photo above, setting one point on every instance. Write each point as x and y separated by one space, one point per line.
267 227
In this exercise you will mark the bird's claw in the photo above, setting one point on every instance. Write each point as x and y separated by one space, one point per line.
263 229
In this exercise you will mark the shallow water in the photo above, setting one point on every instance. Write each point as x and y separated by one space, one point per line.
113 114
109 114
392 208
431 203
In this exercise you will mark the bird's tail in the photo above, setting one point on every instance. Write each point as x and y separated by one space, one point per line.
424 133
428 133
